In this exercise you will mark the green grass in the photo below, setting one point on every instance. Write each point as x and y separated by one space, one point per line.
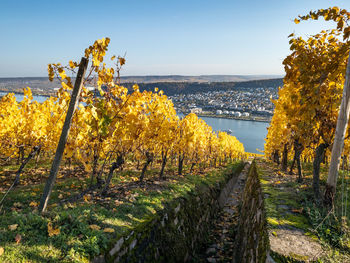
129 205
283 195
280 199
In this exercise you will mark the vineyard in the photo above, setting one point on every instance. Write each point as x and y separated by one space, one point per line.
118 138
86 168
109 129
305 118
309 128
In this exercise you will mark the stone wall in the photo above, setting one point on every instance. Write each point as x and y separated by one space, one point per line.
176 232
252 241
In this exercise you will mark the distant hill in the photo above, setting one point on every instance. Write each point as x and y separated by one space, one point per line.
201 78
171 84
172 88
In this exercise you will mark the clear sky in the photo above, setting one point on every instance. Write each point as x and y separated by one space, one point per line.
160 37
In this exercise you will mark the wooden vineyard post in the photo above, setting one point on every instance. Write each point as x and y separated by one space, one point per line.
64 135
338 143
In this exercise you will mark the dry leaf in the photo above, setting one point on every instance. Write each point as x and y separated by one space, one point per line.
13 227
18 238
34 204
86 198
51 230
108 230
1 251
299 211
95 227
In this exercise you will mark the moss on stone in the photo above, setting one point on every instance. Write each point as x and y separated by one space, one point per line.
252 243
177 230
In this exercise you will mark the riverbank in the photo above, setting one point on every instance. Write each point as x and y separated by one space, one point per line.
4 93
250 118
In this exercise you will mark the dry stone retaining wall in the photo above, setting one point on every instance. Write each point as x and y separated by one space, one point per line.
252 241
176 232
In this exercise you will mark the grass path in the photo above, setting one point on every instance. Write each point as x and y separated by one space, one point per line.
292 232
220 244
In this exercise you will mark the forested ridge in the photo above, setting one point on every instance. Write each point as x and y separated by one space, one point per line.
172 88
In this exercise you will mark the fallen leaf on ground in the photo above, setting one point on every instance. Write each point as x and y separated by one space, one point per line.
1 251
95 227
299 211
52 231
87 198
108 230
34 204
18 238
13 227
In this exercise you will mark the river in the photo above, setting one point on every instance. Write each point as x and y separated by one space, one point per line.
250 133
19 97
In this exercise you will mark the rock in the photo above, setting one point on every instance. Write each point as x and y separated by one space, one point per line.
117 246
210 250
133 244
214 245
283 207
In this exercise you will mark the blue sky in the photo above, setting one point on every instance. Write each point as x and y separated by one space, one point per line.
159 37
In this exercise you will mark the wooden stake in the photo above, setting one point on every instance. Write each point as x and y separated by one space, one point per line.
338 144
64 135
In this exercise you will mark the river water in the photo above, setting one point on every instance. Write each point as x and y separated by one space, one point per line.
250 133
19 97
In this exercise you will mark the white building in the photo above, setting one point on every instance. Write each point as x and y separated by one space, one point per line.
196 110
238 114
246 114
90 88
219 112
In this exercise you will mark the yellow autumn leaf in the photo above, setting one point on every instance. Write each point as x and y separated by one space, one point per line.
28 93
62 74
71 64
1 251
65 86
296 21
94 227
13 227
33 204
86 198
51 230
108 230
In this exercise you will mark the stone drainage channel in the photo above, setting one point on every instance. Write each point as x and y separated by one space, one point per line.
221 241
